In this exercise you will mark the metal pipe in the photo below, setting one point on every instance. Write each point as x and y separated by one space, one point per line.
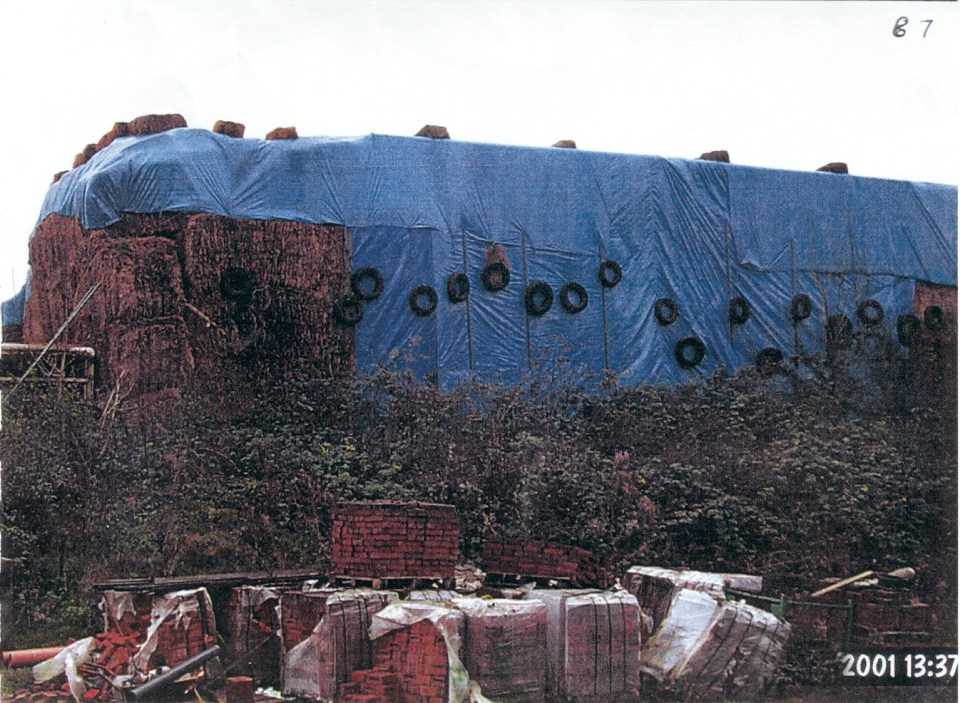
167 678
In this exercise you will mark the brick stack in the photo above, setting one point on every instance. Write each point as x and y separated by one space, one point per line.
252 633
411 641
372 686
300 613
505 648
577 566
338 645
383 539
186 624
593 645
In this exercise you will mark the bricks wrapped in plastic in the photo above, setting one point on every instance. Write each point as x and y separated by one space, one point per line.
420 643
593 644
505 648
654 586
711 649
384 539
252 633
338 645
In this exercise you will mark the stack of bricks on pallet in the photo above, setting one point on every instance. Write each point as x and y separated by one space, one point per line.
505 648
395 540
336 646
418 656
593 644
300 612
543 559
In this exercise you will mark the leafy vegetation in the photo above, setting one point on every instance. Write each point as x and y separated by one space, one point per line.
826 474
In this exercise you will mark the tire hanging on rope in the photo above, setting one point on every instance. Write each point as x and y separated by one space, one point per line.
367 283
839 332
348 311
236 284
738 311
538 298
801 307
689 352
458 287
568 293
495 277
609 273
870 312
933 318
908 329
419 308
666 311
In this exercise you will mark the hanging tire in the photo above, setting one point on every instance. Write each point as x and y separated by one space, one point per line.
801 307
908 329
495 277
839 332
348 311
420 307
933 318
768 359
666 311
568 293
538 298
609 273
870 312
367 283
458 287
689 352
738 311
236 284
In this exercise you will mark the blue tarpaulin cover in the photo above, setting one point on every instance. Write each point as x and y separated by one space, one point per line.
698 232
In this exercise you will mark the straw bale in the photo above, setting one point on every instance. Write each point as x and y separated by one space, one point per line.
120 129
282 133
152 124
231 129
433 131
566 144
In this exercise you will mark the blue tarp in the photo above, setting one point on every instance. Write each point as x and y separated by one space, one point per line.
419 209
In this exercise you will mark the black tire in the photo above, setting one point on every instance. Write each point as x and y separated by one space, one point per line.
348 311
870 312
689 352
358 283
768 359
538 298
495 277
738 311
577 291
236 284
801 307
666 311
839 332
933 318
908 329
420 309
458 287
609 273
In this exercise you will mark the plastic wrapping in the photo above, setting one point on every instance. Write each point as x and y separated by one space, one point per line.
447 621
593 644
66 662
338 646
179 609
252 633
697 232
711 649
505 648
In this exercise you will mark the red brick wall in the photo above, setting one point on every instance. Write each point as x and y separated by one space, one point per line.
402 540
